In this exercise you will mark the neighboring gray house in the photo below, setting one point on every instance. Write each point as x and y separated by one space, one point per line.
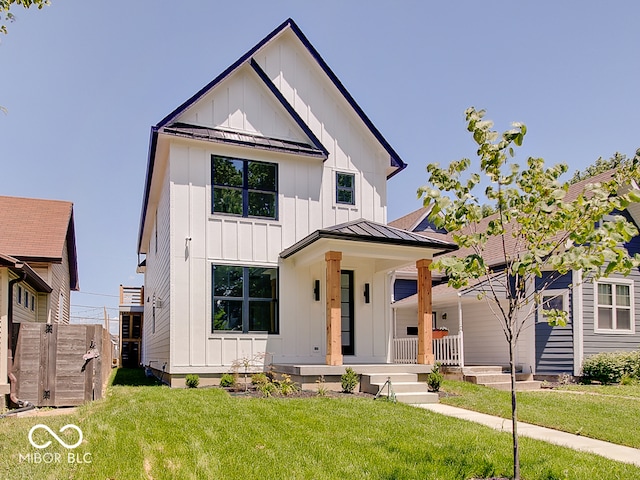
602 315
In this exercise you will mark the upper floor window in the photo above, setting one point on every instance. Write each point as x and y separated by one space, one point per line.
244 187
614 307
345 188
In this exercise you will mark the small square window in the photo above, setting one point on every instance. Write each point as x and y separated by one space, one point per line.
345 188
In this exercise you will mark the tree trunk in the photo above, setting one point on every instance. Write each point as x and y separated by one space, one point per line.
514 411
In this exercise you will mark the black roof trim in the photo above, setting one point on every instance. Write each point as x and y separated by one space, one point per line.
288 107
368 232
243 139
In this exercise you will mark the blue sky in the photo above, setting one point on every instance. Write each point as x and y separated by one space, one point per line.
83 82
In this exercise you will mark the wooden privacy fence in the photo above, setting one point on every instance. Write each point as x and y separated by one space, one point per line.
446 350
61 365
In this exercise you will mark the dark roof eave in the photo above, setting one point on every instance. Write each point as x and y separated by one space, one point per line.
32 277
180 130
153 145
320 234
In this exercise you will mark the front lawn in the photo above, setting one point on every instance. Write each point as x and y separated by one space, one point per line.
607 416
156 433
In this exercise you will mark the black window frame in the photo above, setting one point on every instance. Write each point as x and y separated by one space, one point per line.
245 189
247 301
341 189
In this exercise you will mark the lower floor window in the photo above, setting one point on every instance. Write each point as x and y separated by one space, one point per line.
245 299
615 306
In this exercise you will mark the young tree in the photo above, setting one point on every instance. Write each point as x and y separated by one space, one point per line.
536 227
7 16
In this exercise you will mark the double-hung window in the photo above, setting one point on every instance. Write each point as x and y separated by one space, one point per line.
245 299
244 187
614 306
345 188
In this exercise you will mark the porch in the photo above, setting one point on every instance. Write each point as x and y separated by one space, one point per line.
447 350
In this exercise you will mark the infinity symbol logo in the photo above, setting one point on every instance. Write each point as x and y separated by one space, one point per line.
60 441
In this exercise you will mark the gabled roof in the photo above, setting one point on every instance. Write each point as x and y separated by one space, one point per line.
37 230
395 159
168 124
367 231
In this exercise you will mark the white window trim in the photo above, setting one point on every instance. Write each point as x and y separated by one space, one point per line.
614 281
356 189
554 292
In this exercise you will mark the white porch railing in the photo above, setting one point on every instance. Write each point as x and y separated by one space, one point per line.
446 350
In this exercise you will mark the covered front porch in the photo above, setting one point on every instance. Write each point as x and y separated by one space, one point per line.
348 267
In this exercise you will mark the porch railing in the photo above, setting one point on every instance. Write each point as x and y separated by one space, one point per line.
446 350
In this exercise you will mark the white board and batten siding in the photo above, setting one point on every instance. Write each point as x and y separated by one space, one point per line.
192 239
157 331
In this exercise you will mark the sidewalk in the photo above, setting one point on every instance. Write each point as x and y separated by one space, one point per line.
598 447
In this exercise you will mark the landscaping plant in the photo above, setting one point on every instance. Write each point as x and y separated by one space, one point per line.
227 380
435 378
536 227
349 380
192 380
611 367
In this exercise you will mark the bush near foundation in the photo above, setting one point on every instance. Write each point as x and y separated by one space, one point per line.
611 367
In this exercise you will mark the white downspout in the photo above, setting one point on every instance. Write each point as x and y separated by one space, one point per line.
576 318
460 330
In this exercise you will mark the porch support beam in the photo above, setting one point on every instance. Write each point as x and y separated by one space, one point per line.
425 342
334 321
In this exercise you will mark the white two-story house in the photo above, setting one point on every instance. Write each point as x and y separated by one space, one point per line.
263 225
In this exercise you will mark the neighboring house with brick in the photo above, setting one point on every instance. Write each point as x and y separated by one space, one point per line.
603 315
263 224
38 268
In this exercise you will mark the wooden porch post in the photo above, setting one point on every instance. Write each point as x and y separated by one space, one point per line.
334 321
425 345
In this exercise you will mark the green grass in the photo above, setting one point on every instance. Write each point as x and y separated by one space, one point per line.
161 433
608 417
613 390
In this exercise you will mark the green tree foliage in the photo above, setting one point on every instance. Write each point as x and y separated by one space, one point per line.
600 166
6 16
536 227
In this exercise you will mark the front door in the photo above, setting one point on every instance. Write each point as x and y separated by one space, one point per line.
347 309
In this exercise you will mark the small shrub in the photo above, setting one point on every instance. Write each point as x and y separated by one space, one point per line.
192 380
628 380
259 379
435 378
349 380
286 386
227 380
267 389
610 367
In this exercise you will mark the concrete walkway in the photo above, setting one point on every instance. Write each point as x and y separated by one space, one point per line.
604 449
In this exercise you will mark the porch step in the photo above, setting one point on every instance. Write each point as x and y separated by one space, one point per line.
406 387
484 378
494 376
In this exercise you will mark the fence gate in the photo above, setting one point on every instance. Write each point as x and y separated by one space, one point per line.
61 365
